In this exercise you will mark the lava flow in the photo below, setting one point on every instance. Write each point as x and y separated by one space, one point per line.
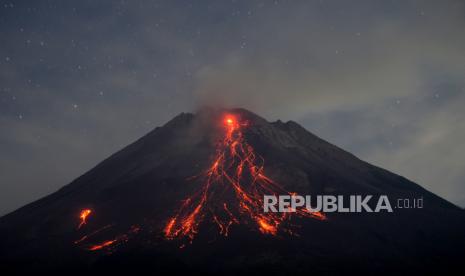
83 216
232 191
116 240
123 238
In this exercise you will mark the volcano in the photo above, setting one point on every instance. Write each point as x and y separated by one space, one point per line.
188 197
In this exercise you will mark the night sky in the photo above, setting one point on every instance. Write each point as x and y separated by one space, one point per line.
79 80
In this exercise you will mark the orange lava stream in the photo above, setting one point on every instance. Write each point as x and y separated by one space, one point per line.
85 237
102 245
107 243
83 216
233 190
117 240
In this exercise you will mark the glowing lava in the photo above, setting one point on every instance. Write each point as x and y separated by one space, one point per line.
110 244
83 216
119 239
101 245
232 191
229 121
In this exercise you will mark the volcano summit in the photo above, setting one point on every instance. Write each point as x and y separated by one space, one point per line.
188 196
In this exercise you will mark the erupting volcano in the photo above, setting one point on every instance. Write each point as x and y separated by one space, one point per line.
233 190
188 196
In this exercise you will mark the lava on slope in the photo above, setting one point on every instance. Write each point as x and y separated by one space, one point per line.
232 191
136 221
107 243
83 217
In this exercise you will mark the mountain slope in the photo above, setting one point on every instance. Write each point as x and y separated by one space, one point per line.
135 194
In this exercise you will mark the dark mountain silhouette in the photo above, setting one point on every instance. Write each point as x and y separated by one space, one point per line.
133 194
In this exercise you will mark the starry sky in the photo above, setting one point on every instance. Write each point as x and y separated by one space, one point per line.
79 80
